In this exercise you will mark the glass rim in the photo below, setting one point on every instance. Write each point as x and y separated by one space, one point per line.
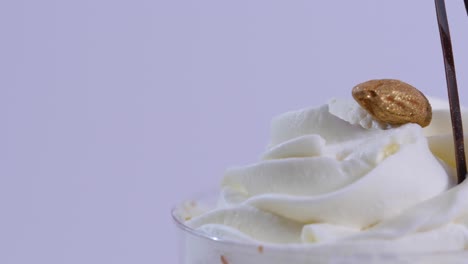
178 222
297 247
246 245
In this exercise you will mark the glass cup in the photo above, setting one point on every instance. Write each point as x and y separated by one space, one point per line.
197 248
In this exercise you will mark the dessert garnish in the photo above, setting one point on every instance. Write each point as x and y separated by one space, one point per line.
466 6
393 102
451 77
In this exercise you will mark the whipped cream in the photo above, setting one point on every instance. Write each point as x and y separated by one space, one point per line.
332 175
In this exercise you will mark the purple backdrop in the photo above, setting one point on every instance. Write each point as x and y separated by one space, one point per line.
112 111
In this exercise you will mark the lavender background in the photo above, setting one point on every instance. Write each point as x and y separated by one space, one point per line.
112 111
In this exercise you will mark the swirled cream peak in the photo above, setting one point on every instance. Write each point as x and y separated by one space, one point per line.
333 174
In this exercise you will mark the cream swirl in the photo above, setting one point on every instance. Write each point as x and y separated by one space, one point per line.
333 174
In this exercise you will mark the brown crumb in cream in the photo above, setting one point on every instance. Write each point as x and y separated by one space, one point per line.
260 249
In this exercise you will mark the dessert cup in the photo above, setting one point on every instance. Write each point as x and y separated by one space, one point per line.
334 186
198 248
